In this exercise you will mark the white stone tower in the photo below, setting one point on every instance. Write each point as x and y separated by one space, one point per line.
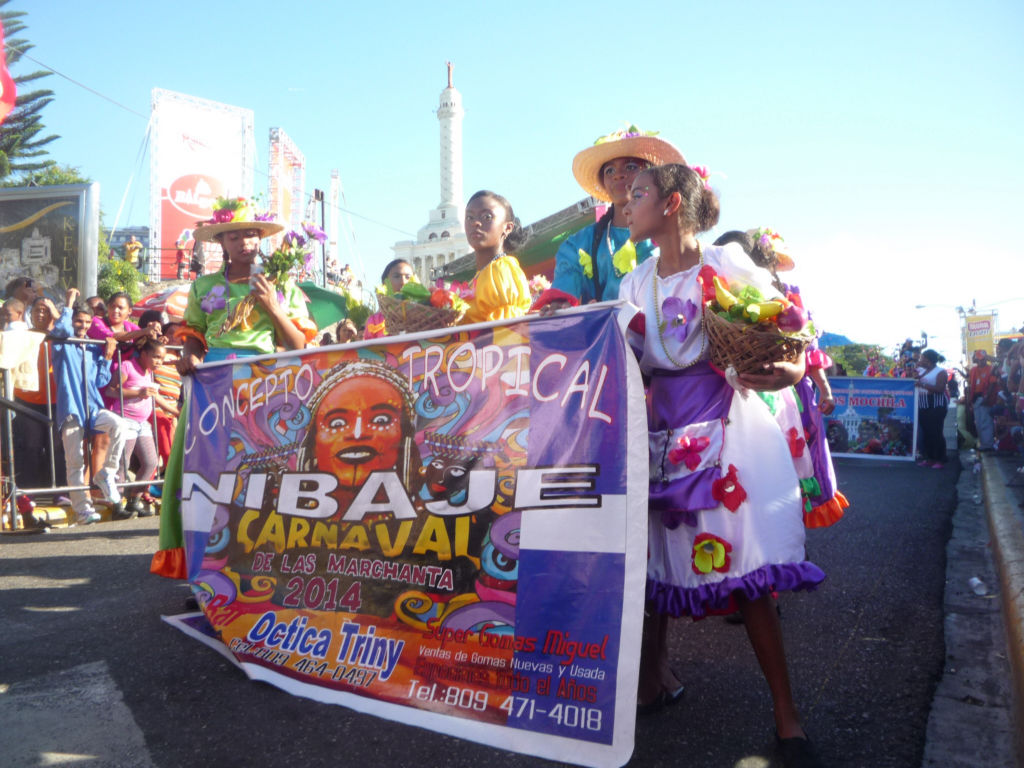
443 239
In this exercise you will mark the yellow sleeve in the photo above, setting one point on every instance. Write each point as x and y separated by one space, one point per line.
501 292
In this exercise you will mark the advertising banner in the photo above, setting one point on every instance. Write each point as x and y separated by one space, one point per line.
50 234
446 529
874 418
980 331
199 150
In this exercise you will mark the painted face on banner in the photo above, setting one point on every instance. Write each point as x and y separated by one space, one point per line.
359 429
447 476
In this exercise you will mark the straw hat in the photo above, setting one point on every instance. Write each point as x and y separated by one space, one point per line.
236 213
630 142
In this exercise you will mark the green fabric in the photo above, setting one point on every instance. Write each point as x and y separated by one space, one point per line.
770 399
209 320
171 535
325 306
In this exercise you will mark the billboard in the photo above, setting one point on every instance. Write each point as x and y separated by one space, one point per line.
51 234
446 529
199 150
287 180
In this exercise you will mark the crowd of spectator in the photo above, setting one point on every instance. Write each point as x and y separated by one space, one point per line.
100 408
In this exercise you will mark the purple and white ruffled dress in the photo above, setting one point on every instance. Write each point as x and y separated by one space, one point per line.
725 511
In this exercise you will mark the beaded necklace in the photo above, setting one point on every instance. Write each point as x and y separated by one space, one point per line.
658 319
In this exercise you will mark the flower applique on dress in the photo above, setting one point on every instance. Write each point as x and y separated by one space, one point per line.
710 553
688 451
796 441
215 299
728 490
624 259
587 264
678 317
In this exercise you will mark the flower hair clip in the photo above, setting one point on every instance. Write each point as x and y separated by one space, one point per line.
704 174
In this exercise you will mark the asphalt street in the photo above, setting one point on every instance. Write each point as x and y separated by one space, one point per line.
91 676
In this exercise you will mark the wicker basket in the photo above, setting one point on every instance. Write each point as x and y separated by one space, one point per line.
403 316
748 347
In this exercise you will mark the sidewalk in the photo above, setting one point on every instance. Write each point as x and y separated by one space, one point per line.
978 710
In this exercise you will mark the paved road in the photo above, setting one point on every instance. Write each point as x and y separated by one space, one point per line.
91 672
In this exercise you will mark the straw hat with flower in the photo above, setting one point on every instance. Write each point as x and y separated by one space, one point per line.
628 142
236 213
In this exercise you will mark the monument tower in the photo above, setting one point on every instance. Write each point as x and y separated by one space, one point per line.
443 239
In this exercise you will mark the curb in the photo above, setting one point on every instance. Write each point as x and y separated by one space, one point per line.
1008 550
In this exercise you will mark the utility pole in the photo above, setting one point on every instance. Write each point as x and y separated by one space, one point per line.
318 196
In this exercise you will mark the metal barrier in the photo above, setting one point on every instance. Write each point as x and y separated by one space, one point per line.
11 405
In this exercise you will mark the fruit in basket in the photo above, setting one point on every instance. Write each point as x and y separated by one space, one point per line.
725 299
792 319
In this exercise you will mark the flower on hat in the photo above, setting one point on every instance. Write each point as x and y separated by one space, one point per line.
624 133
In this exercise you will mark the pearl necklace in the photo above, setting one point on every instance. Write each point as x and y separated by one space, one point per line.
658 318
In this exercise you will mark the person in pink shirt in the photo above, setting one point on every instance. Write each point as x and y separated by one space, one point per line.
138 391
117 325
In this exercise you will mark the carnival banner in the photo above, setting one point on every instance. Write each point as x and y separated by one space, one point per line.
874 418
446 529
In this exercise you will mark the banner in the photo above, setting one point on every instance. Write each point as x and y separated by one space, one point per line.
199 150
446 529
979 334
874 418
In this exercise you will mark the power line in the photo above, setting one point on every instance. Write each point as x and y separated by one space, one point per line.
146 118
72 80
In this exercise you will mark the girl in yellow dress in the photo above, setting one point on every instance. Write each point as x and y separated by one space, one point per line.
500 289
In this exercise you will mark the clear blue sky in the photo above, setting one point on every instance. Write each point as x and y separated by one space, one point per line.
881 138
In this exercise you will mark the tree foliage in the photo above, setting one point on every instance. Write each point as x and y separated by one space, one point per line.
22 141
116 275
51 175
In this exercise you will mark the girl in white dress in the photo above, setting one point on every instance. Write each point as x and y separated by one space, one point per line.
725 525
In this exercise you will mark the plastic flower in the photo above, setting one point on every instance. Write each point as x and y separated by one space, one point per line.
796 442
538 284
313 231
624 133
215 299
706 278
728 490
624 259
710 553
587 263
678 316
688 451
704 173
